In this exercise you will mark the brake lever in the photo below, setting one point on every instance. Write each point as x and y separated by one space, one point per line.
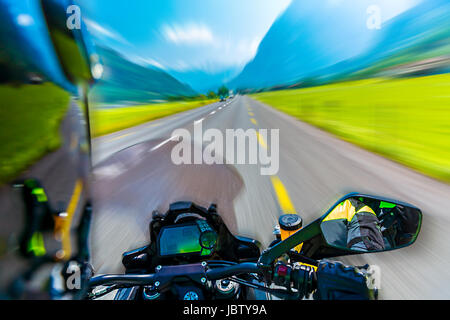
280 293
102 292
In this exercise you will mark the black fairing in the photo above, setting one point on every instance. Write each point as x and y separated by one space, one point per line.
229 247
316 248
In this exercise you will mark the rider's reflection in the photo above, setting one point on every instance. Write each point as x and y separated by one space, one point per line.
357 224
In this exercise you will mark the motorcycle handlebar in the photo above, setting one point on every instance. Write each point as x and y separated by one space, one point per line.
224 272
123 279
149 279
300 278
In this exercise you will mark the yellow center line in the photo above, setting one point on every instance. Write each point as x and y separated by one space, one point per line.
283 197
119 137
251 114
71 208
261 140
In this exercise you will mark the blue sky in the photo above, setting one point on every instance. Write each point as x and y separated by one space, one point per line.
183 35
189 37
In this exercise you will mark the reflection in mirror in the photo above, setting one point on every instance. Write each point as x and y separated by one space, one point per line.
369 224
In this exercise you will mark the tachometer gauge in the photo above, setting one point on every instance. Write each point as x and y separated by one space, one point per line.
208 237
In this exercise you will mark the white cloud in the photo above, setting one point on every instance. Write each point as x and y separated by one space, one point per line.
220 52
101 31
390 9
188 34
146 62
237 53
152 63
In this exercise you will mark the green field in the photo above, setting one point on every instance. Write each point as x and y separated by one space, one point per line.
407 120
30 118
106 121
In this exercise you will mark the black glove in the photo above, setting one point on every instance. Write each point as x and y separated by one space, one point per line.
335 281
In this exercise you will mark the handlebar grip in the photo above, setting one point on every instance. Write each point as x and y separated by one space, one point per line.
304 279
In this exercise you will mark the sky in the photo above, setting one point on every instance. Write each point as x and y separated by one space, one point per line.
194 38
183 35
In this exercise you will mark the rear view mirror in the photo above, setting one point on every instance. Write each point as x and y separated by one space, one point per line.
71 45
362 223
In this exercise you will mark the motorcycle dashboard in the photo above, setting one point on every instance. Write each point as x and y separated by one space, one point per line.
194 238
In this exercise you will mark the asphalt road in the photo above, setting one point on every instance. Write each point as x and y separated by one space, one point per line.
134 175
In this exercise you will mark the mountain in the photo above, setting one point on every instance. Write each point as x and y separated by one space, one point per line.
303 45
308 36
426 22
419 34
125 82
204 81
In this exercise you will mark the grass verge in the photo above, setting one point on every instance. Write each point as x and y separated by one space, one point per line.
407 120
105 121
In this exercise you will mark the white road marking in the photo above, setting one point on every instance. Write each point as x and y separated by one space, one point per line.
119 137
213 112
164 142
110 171
199 120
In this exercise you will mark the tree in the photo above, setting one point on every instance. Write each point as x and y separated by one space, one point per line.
223 92
212 95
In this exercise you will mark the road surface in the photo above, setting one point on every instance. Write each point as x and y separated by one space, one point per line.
134 175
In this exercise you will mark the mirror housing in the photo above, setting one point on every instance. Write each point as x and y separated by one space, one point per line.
361 223
318 242
76 54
